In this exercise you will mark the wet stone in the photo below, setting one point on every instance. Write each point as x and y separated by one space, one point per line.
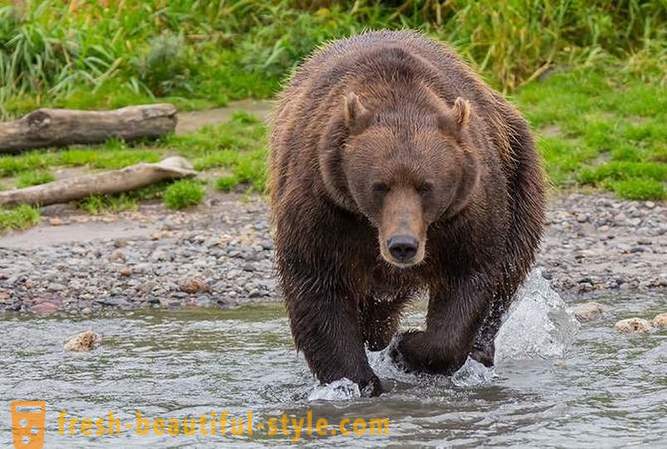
633 326
83 342
660 321
588 311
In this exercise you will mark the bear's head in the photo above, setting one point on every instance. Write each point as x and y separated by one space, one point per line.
406 168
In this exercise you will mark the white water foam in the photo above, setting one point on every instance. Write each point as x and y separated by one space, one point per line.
339 390
473 374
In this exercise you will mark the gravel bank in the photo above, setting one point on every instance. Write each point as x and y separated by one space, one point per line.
221 254
596 244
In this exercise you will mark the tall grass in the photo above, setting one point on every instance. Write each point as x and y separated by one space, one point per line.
220 49
517 40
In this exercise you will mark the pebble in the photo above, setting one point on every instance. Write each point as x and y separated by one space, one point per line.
56 287
44 308
588 311
194 285
118 256
227 249
660 321
633 326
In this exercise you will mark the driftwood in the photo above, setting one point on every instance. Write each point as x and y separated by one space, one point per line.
59 127
115 181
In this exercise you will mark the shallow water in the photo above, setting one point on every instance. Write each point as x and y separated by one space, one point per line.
554 385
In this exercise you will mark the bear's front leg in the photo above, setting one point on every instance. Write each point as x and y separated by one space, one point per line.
323 308
455 313
325 327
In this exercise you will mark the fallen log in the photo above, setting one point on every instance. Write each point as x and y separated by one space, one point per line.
114 181
60 127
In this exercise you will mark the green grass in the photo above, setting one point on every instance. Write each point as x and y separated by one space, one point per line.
238 146
202 54
35 160
33 178
184 193
227 183
639 188
108 204
103 204
601 128
96 157
594 127
20 217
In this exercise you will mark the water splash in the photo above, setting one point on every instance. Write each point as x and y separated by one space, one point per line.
539 324
339 390
472 374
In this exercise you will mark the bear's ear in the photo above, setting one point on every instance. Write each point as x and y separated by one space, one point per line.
461 111
457 117
357 116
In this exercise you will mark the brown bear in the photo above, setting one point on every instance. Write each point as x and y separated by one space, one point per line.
394 171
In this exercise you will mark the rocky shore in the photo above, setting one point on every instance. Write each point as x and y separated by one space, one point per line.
221 254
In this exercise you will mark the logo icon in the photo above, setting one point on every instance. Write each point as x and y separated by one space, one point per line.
28 424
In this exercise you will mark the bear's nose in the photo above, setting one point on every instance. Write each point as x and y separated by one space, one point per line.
403 247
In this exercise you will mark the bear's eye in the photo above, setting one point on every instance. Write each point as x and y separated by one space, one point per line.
380 187
425 187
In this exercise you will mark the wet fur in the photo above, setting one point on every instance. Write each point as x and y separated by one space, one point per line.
340 292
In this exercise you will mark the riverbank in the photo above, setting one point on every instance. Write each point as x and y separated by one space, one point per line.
220 254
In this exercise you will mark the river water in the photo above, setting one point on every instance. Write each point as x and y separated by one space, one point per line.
164 379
